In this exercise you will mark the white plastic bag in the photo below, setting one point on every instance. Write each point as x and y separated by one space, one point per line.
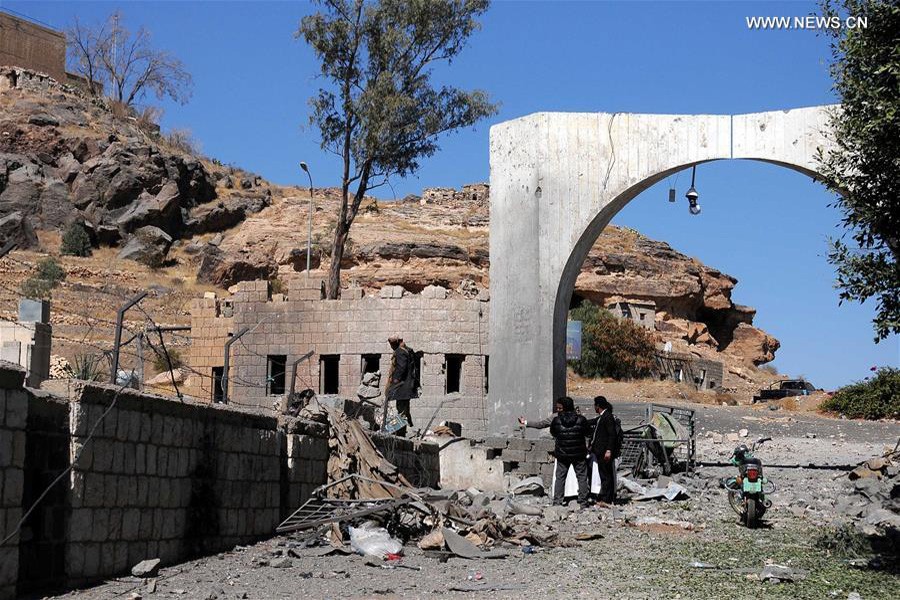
373 541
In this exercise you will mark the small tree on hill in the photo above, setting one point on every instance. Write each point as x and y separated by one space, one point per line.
126 65
75 241
380 111
47 276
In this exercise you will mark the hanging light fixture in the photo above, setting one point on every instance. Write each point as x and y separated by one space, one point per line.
692 194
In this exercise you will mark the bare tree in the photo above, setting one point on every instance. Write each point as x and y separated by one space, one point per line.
84 53
125 63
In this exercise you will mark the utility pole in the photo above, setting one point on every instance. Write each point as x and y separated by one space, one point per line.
294 371
140 349
304 166
226 364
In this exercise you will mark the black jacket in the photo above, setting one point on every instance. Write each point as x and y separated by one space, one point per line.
602 433
570 430
402 384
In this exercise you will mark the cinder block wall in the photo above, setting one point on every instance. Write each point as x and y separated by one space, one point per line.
150 478
166 479
306 463
294 324
13 416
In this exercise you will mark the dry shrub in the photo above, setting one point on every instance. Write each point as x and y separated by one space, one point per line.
119 110
182 140
148 119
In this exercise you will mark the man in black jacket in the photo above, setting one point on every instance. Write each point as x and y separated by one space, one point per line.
602 435
569 429
401 385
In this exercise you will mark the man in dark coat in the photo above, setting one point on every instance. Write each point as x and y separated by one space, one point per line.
602 443
401 385
569 429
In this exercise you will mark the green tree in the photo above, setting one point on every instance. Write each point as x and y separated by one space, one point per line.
612 347
380 111
876 397
863 167
46 277
75 241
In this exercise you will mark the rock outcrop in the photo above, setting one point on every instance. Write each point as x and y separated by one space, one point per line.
65 158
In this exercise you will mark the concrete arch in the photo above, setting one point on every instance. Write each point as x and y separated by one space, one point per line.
557 179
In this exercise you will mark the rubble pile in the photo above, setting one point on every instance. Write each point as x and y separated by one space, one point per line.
873 500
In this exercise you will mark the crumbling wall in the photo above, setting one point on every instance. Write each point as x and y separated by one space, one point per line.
473 193
306 464
166 479
211 324
288 326
418 461
13 416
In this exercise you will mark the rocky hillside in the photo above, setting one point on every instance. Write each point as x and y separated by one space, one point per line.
202 225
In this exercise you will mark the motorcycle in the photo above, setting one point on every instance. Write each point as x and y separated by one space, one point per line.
747 491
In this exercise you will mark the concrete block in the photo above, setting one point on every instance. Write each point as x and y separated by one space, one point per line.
513 456
496 442
520 444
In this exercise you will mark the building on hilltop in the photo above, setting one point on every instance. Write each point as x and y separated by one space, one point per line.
641 312
29 45
472 193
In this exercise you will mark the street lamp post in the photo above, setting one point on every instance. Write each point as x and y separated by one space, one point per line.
309 230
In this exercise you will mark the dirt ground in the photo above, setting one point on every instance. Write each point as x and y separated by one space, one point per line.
715 558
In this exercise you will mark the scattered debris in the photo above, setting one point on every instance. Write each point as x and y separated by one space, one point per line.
487 587
531 485
370 540
781 574
146 568
657 521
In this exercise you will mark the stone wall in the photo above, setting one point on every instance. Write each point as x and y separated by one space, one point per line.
13 415
306 463
449 332
31 46
150 478
166 479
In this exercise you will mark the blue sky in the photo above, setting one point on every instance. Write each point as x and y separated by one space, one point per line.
763 224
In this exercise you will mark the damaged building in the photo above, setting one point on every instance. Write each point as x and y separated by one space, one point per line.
270 332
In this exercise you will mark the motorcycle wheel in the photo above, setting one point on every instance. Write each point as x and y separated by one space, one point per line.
734 500
750 513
